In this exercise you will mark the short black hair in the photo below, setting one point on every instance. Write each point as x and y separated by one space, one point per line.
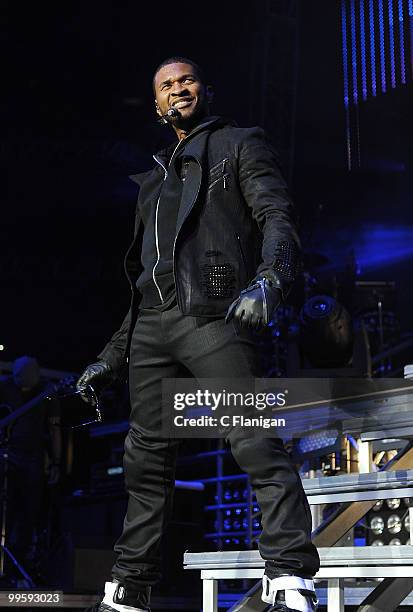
176 59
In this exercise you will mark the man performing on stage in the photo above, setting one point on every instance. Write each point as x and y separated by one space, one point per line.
215 251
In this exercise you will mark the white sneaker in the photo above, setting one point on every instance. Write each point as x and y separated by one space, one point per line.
119 598
289 594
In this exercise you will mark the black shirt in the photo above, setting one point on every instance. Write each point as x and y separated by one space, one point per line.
156 281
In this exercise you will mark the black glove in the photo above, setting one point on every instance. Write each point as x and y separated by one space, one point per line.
97 376
257 303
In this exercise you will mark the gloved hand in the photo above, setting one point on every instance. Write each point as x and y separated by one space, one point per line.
98 376
257 303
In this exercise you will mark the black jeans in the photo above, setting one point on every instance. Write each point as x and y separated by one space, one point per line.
162 343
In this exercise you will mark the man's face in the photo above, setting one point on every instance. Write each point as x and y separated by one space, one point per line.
178 85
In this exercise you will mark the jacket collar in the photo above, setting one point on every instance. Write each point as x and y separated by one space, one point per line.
212 121
193 146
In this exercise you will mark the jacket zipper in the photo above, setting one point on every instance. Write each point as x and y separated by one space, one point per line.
221 163
156 230
223 178
224 175
156 221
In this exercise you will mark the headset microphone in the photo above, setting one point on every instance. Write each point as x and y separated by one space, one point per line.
172 113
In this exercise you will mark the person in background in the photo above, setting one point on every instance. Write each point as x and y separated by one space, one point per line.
27 439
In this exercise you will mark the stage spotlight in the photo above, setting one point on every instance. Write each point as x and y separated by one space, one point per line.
378 505
395 542
377 525
394 524
377 543
326 332
393 504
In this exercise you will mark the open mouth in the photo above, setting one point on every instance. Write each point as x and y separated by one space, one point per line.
182 103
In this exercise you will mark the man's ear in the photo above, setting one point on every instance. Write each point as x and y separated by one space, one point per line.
209 93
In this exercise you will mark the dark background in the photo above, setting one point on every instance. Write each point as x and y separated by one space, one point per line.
78 118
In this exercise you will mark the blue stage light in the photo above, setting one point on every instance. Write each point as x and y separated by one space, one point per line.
391 37
382 48
410 10
382 245
345 54
318 440
372 49
363 51
401 43
353 50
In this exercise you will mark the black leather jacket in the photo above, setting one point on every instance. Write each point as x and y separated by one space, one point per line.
235 220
